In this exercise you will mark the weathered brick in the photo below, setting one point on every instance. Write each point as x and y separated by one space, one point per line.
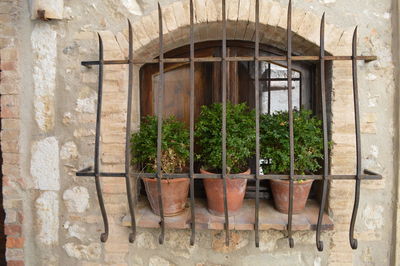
11 216
9 106
8 65
8 54
10 170
114 188
9 88
15 242
9 135
12 230
10 124
14 254
15 263
10 146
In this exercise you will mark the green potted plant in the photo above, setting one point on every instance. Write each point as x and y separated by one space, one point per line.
240 146
174 158
274 150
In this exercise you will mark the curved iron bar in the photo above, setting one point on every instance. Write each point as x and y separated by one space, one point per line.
104 236
320 244
191 174
159 125
257 108
353 241
223 131
132 235
290 111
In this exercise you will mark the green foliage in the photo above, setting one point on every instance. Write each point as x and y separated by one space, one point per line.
274 142
175 145
240 137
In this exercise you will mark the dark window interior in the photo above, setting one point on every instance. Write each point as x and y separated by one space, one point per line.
240 88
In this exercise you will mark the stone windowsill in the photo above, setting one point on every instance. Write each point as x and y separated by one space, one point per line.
269 217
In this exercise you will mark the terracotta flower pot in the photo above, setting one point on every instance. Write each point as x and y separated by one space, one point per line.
174 194
280 194
235 190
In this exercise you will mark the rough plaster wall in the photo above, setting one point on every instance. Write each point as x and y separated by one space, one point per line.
74 100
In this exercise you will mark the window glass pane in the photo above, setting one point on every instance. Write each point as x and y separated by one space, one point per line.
275 80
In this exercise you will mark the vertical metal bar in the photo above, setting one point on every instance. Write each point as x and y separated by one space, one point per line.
193 219
257 107
290 111
301 91
320 244
104 235
224 69
159 125
353 241
269 87
127 138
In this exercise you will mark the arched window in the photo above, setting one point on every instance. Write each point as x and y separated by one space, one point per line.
240 85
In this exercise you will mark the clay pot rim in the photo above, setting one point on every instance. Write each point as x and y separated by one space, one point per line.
207 172
166 180
304 182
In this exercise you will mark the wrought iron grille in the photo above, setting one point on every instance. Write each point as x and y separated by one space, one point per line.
289 58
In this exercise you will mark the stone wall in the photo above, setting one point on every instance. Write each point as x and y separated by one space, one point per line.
10 88
48 130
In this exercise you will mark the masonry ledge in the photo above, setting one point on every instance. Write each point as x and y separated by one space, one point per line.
269 217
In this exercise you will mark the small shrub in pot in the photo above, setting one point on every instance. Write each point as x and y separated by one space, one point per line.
240 146
274 149
174 159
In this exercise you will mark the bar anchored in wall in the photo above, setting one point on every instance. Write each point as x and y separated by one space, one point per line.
321 59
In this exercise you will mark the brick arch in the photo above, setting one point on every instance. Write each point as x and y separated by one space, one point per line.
240 25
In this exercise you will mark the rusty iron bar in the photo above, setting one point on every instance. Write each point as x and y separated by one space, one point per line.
257 109
103 236
368 175
192 92
353 241
159 125
290 111
319 243
132 235
223 130
230 59
269 87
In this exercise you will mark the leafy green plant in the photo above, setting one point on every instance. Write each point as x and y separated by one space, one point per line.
274 142
175 145
240 137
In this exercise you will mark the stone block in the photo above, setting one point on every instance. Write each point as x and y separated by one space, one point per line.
69 151
200 13
83 252
45 164
46 206
159 261
232 10
44 48
237 241
310 28
52 9
133 7
76 199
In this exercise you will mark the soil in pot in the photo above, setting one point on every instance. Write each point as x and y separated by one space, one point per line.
235 190
174 195
280 194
